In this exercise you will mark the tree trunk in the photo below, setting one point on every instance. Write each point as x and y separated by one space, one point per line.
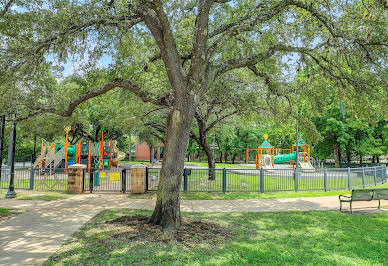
130 148
151 151
210 160
377 159
206 148
233 158
336 153
180 117
339 157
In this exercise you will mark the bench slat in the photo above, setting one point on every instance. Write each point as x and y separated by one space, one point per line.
381 194
362 195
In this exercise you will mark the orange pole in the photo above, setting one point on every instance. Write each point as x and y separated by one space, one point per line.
110 144
51 151
90 155
261 157
273 157
79 152
308 152
246 156
258 157
304 153
66 145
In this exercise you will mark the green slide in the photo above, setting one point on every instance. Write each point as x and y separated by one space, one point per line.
285 158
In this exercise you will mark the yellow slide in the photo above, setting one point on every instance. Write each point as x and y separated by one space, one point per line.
119 155
38 163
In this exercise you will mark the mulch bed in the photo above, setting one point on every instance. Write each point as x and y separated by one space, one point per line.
190 233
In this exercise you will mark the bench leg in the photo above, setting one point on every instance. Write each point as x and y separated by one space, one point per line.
379 204
340 206
351 209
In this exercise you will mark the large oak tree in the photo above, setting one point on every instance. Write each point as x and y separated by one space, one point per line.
169 52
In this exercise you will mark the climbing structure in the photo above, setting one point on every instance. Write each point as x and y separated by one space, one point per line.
96 155
266 158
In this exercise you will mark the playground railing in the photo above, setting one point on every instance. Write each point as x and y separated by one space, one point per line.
48 179
107 180
272 180
204 179
21 177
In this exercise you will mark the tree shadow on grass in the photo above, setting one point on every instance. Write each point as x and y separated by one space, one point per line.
310 237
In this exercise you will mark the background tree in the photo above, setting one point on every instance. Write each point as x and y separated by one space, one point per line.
191 44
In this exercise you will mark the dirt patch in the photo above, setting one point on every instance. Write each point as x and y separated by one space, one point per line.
11 214
190 233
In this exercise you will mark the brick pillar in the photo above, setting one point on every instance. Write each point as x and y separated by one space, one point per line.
75 179
138 180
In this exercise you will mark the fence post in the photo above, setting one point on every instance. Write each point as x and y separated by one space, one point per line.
91 174
325 178
32 177
384 172
185 174
261 180
363 177
224 180
296 179
83 180
375 175
349 184
123 180
146 180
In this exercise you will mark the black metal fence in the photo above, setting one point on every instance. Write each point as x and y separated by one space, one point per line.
107 180
204 180
271 180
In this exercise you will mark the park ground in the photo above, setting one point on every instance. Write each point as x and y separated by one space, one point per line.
122 237
100 229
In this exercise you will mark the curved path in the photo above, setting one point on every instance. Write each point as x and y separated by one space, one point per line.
30 238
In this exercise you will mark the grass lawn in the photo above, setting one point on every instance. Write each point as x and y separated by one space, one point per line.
116 237
134 162
35 195
202 164
5 213
220 165
253 195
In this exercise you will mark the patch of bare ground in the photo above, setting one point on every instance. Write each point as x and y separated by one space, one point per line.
190 233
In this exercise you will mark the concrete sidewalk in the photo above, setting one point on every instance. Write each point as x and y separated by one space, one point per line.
30 238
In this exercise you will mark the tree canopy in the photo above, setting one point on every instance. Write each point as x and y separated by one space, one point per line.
170 53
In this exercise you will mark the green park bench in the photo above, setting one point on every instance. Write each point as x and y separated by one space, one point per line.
364 195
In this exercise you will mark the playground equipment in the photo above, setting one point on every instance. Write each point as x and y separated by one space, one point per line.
267 159
96 155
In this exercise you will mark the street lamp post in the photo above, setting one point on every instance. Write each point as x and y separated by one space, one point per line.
11 192
2 126
297 143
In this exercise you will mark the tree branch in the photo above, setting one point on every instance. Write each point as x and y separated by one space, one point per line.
248 61
219 119
157 22
6 7
117 83
200 40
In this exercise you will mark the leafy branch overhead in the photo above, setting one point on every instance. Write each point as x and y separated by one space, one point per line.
67 28
174 53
